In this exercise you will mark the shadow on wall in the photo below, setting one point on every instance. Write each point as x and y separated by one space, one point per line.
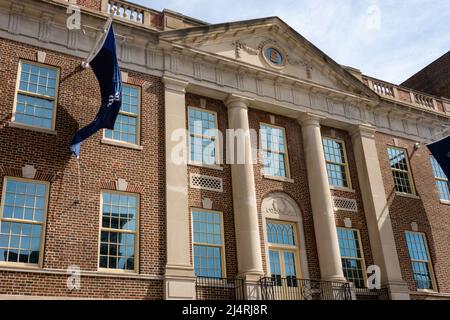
403 211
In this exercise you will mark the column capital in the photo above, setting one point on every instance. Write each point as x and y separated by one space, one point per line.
175 85
237 101
310 119
363 130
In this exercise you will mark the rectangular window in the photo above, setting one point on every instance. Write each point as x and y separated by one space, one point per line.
352 256
398 159
283 253
442 183
22 220
202 136
336 159
118 235
126 128
36 95
420 260
275 156
209 248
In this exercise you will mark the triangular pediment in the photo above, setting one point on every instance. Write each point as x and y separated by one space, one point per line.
270 44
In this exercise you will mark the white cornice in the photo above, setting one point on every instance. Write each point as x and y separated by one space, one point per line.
208 73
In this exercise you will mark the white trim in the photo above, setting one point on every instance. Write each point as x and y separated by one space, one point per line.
336 188
281 179
204 165
20 125
407 195
122 144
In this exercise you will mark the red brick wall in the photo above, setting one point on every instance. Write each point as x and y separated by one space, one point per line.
73 229
299 190
432 217
433 79
222 202
91 4
358 218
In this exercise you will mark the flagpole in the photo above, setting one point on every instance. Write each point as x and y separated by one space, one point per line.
99 43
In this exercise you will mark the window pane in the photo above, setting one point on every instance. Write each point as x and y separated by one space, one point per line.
126 126
207 243
203 131
37 79
442 182
336 164
18 242
34 110
280 233
274 149
351 256
400 170
420 260
208 261
117 248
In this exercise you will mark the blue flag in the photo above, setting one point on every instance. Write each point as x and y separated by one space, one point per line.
441 151
106 69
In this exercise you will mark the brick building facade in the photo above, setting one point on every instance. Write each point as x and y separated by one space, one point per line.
321 209
434 79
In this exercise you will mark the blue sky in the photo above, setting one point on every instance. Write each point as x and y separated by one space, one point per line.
387 39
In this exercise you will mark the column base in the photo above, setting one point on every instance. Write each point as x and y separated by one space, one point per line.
398 290
179 283
252 286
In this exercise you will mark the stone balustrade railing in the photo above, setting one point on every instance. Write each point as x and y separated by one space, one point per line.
132 13
408 96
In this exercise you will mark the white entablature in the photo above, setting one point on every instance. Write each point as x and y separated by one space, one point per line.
329 90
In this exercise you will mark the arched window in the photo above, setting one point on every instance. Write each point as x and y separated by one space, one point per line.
284 238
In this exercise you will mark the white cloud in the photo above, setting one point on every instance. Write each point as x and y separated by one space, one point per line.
410 35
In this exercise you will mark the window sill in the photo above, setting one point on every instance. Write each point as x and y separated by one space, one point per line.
207 166
31 128
407 195
121 144
19 266
429 291
114 272
446 202
281 179
345 189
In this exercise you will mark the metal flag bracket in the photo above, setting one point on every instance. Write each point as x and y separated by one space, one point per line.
100 41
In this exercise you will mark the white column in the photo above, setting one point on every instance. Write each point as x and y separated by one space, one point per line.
248 240
377 212
179 275
321 202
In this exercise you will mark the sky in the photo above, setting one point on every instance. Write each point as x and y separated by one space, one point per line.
386 39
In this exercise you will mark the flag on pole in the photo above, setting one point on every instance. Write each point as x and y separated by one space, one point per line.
106 69
441 152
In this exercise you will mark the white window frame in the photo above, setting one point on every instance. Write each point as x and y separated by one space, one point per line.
439 179
429 261
281 248
137 116
342 164
54 99
222 236
287 168
135 232
214 139
408 171
43 224
362 258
